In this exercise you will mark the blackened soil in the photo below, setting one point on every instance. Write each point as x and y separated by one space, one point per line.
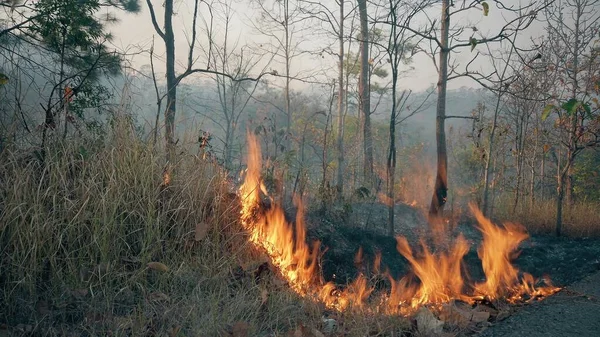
564 260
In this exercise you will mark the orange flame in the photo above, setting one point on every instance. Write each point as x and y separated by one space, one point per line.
437 276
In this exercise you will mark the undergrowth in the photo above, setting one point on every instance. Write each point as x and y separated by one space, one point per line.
93 243
581 219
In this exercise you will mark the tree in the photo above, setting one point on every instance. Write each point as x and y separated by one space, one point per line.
75 37
452 39
233 95
167 35
365 94
573 26
398 49
335 25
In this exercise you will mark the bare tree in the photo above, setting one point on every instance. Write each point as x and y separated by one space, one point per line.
452 39
168 36
365 94
233 95
573 25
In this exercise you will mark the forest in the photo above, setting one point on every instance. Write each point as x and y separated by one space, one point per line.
299 167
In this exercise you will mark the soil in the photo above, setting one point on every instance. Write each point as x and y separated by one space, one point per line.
575 311
573 263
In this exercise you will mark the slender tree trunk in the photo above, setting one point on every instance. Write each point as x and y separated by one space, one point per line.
542 177
63 98
488 159
341 101
364 93
532 187
171 81
574 116
559 201
391 160
566 178
440 192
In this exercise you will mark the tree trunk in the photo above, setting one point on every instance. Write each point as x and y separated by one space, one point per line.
488 158
341 101
559 201
567 176
441 180
542 177
364 94
171 81
391 160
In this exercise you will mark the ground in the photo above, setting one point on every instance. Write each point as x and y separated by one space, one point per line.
575 311
573 263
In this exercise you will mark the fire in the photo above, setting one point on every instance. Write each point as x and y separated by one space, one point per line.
437 275
499 248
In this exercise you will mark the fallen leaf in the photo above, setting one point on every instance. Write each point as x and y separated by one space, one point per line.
303 331
264 296
158 266
240 329
174 331
201 231
460 314
317 333
480 316
158 296
427 324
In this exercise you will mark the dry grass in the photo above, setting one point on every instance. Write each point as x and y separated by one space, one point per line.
77 234
580 220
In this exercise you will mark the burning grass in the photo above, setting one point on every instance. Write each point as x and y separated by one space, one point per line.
437 275
94 241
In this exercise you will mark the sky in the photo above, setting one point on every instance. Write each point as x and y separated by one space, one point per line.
134 34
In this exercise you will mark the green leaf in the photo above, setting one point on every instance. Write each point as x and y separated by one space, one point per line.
486 8
571 106
547 110
587 108
473 42
3 79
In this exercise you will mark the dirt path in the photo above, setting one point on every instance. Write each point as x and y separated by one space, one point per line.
575 311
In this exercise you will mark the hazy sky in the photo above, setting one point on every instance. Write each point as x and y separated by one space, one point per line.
134 33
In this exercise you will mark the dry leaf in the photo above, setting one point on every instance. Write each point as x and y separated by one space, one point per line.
174 331
317 333
158 296
201 231
240 329
462 315
303 331
427 324
264 296
480 316
158 266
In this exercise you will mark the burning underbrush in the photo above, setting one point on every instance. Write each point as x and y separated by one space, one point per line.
438 279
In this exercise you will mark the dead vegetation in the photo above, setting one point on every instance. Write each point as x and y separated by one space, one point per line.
93 243
581 219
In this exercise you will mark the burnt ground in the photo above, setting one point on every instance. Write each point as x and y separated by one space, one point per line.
568 262
575 311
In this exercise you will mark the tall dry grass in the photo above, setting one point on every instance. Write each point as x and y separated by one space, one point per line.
582 219
77 233
92 243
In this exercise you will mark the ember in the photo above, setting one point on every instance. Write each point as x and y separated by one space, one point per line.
436 278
